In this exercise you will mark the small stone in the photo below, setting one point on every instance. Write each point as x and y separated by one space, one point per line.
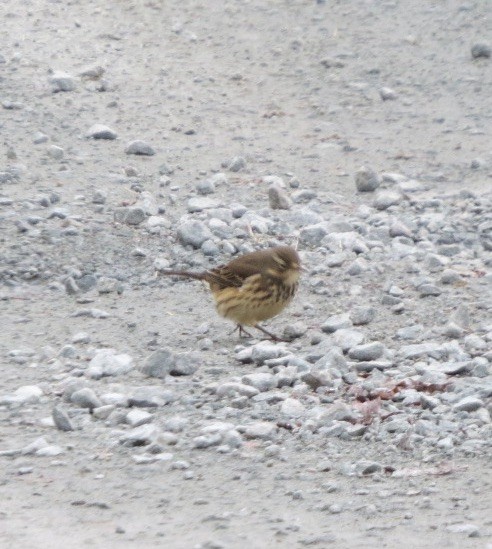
481 49
453 331
132 215
50 451
235 164
471 530
107 362
151 396
92 73
34 446
336 322
193 232
200 203
387 94
427 290
85 398
265 351
369 351
317 377
159 363
230 389
278 198
371 365
367 180
55 152
40 137
291 407
261 381
99 197
135 418
61 419
104 412
362 315
397 228
450 276
468 404
364 468
346 338
205 441
263 430
295 330
99 131
186 364
385 199
139 147
205 187
139 436
62 82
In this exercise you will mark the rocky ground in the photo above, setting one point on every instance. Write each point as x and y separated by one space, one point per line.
142 136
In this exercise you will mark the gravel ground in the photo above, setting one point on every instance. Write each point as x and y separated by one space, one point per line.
138 137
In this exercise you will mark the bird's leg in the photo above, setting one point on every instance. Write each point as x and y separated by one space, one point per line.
273 337
241 330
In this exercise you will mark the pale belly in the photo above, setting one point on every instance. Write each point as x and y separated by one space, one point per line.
236 305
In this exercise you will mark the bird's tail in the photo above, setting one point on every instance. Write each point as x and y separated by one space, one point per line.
187 274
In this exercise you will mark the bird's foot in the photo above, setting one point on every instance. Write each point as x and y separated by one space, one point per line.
273 337
241 330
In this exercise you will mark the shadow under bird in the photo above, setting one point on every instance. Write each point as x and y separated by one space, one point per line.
253 287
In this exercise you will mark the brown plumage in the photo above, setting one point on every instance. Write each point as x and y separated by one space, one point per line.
253 287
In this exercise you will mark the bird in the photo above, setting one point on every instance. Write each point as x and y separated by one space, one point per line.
253 287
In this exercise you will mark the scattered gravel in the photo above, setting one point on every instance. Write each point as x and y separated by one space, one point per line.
128 409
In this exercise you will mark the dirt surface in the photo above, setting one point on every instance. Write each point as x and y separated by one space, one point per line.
294 89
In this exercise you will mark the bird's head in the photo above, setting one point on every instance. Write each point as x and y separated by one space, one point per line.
286 264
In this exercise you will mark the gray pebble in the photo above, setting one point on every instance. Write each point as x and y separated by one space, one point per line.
471 530
336 322
481 49
62 82
136 417
429 290
85 398
200 203
362 315
369 351
236 164
139 147
193 232
263 430
150 397
231 389
278 198
159 363
346 338
367 180
468 404
385 199
99 197
387 94
40 137
107 362
185 364
55 152
132 215
205 441
99 131
206 186
369 366
139 436
295 330
261 381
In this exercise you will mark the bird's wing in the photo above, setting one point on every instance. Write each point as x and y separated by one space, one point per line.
225 278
